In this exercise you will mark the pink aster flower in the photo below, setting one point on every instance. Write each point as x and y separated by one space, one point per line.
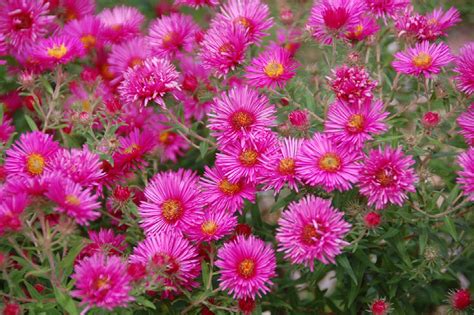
104 241
121 23
102 281
273 67
465 69
424 59
438 21
223 48
241 113
212 226
81 166
466 122
30 154
133 148
220 194
244 160
76 10
88 30
170 259
352 84
57 50
386 8
172 34
466 175
24 21
355 125
197 3
367 26
410 24
330 19
149 81
253 15
280 167
323 162
169 145
173 203
6 130
312 229
246 267
387 176
11 209
127 54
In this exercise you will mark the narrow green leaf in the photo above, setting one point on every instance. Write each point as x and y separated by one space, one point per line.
203 146
2 109
451 228
46 85
31 123
146 303
344 262
66 302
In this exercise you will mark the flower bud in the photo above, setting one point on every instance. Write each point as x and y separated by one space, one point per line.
430 120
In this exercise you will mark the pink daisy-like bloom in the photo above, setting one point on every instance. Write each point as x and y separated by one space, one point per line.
241 113
57 50
6 130
386 176
273 67
466 122
244 160
423 59
246 266
76 10
312 229
133 149
149 81
104 241
121 23
466 175
197 3
3 48
11 208
71 199
102 281
253 15
386 8
172 257
367 26
212 226
24 21
169 145
127 55
173 203
33 186
223 48
172 34
88 30
280 168
330 19
465 69
352 84
31 154
410 24
438 21
222 195
81 166
355 125
323 162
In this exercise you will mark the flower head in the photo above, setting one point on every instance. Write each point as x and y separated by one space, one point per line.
169 144
311 229
430 119
6 130
466 122
76 10
372 219
466 175
88 30
197 3
104 241
380 307
55 50
387 176
121 23
460 299
386 8
246 267
213 226
465 69
11 209
438 21
366 27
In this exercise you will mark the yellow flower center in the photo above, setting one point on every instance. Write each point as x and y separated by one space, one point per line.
35 164
274 69
228 188
172 210
330 162
422 60
358 30
209 227
356 123
102 283
132 149
286 166
244 22
248 157
57 51
88 41
246 268
73 200
241 119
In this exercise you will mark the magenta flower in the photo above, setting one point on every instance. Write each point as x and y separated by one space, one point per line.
173 203
121 23
104 241
31 154
6 130
466 175
367 26
280 167
330 19
386 8
55 50
132 150
169 145
273 67
355 125
387 176
12 207
213 226
253 15
312 229
246 267
102 281
423 59
323 162
466 122
197 3
172 34
88 30
240 114
76 10
438 21
149 81
222 195
465 69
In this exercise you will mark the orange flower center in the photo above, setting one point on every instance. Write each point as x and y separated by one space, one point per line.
248 157
356 123
385 177
70 15
166 137
73 200
172 210
102 283
244 22
131 149
330 162
228 188
287 166
241 119
88 41
135 62
227 47
35 164
57 51
116 27
246 268
309 234
209 227
274 69
422 60
358 30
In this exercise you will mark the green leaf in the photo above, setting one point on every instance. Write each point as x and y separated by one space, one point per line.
68 261
344 262
146 303
451 228
2 109
203 146
66 302
46 85
31 123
